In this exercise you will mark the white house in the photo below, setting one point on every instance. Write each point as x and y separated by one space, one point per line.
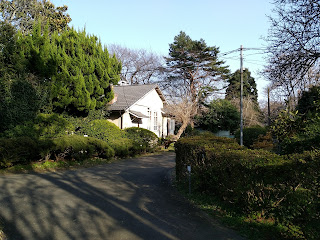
140 106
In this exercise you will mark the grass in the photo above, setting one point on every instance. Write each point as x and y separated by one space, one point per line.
253 227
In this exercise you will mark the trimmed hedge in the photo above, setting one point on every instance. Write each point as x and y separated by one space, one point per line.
44 126
250 135
143 139
17 151
79 148
23 150
283 188
103 130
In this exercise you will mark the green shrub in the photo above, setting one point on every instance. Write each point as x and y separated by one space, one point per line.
283 188
79 148
101 148
122 147
306 139
250 135
103 130
44 125
52 125
264 142
143 140
20 150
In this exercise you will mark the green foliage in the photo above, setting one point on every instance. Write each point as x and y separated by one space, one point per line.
103 130
194 67
123 147
79 68
309 103
143 139
286 125
299 130
222 115
250 135
19 150
23 14
264 142
284 189
43 126
23 150
21 105
78 148
127 142
19 98
249 86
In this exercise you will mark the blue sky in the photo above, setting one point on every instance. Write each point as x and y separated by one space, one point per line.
153 24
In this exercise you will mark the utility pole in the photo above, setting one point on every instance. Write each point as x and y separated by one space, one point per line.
241 96
269 117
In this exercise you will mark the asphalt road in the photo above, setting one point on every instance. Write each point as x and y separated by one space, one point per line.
129 199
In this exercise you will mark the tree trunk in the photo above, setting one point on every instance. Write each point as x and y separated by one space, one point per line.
180 131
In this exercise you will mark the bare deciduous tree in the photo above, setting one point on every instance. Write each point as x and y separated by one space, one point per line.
139 66
294 40
251 115
183 111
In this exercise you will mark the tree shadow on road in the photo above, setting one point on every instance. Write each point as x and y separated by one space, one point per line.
124 200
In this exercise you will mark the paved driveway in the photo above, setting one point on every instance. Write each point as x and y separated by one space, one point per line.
129 199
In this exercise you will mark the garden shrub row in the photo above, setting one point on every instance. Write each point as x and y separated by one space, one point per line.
282 188
23 150
53 137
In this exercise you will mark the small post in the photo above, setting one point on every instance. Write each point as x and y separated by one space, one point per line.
189 171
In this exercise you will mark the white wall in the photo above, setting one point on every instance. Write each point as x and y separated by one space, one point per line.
153 103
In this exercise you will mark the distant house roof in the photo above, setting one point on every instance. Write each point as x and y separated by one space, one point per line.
127 95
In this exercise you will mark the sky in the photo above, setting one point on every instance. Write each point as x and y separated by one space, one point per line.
153 24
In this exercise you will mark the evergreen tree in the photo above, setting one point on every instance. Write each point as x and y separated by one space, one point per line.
23 14
74 67
194 68
249 86
221 115
194 72
19 98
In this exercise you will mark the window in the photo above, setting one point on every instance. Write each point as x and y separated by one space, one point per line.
155 121
149 120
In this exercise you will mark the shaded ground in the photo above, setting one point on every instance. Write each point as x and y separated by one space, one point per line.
129 199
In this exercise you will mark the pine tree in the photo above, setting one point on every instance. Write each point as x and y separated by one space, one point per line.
194 73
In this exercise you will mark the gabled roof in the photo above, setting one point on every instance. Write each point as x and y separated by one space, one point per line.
127 95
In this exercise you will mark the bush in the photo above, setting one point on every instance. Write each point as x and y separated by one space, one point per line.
103 130
221 115
20 150
250 135
44 126
306 139
23 150
143 140
282 188
264 142
122 147
79 148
